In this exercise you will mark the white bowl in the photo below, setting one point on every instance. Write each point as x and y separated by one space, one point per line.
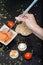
14 35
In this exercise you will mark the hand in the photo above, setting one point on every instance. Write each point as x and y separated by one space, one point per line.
29 19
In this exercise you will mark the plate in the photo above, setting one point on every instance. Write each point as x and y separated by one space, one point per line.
14 34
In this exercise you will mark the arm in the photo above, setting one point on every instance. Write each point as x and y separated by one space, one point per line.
38 31
30 21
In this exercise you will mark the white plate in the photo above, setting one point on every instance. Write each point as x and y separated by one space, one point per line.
6 43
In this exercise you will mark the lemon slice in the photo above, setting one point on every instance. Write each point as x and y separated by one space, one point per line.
14 54
22 46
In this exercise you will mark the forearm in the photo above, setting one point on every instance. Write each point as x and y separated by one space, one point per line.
38 31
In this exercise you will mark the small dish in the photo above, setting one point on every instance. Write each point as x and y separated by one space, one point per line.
13 32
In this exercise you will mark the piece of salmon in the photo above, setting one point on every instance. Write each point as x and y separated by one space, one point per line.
2 36
5 36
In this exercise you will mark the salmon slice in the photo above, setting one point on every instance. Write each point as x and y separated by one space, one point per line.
5 36
2 36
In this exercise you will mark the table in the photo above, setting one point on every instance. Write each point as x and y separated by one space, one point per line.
34 43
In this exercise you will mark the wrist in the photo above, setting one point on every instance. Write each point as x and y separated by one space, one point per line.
37 29
33 27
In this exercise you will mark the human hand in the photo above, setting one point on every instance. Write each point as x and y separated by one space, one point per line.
29 19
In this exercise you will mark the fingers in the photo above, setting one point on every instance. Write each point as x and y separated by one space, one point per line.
20 18
29 15
25 17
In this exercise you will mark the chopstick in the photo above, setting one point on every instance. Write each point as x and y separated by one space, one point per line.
26 11
28 8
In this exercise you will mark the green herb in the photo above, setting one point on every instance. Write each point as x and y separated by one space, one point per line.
1 49
10 63
19 63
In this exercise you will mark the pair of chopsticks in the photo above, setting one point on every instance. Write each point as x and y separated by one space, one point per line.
26 11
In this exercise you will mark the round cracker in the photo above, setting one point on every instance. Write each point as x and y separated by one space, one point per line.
23 29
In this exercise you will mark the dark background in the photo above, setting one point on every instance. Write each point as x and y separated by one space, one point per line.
14 8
